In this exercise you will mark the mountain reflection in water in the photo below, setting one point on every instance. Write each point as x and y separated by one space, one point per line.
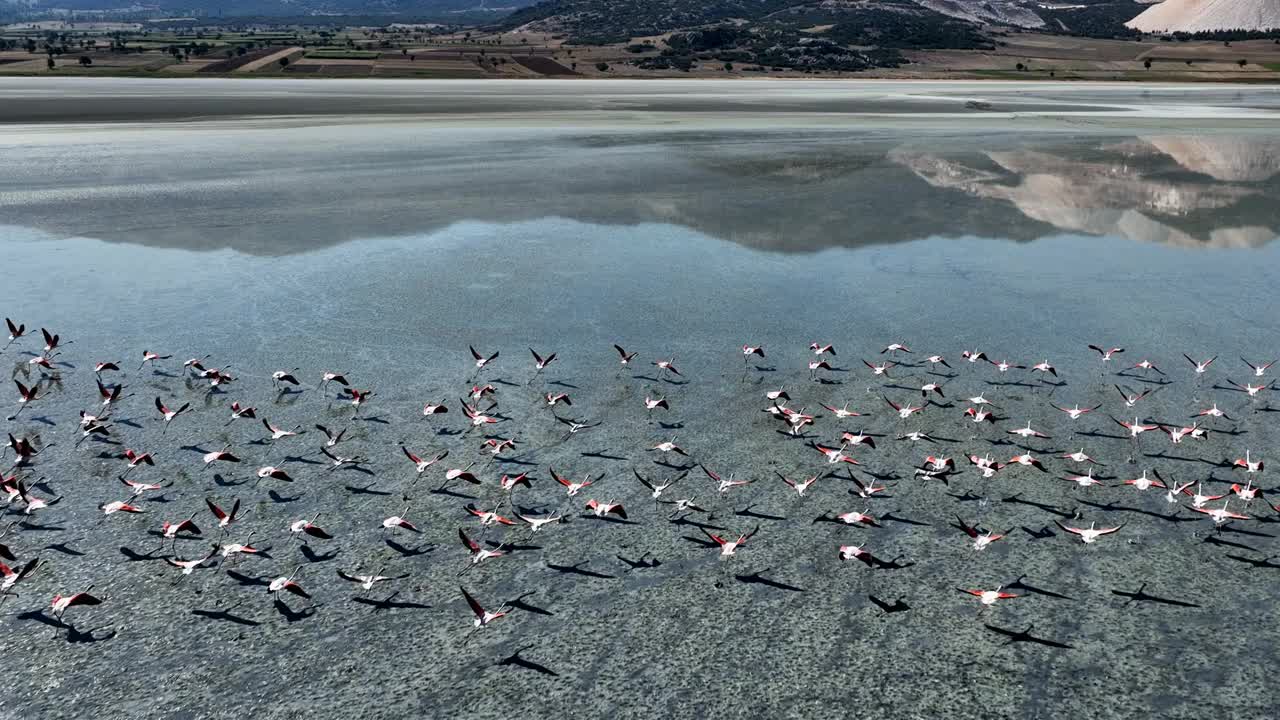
266 191
1129 189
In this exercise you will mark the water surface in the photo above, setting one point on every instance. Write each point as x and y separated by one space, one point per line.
384 247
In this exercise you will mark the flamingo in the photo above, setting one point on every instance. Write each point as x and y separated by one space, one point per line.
15 332
989 598
309 528
483 617
1090 534
287 584
1249 464
571 488
366 582
482 360
168 414
151 357
624 357
602 509
729 548
62 603
278 433
396 522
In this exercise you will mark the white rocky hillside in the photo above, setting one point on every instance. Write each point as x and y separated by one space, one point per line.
1208 15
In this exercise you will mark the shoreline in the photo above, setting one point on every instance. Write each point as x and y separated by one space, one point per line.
592 101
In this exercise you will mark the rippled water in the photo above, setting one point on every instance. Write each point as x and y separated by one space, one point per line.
383 249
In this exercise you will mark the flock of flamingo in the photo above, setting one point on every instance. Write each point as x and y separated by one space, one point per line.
163 489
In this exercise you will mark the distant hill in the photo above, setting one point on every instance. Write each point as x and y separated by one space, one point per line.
926 23
470 11
810 35
1196 16
819 36
611 20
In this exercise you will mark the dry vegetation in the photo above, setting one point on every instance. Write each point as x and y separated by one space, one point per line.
437 52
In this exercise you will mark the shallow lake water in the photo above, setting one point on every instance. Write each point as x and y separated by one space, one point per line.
383 247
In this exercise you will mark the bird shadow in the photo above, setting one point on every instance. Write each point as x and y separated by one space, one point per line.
1016 636
36 527
390 603
673 466
686 520
247 580
1265 562
41 617
640 563
1100 434
365 491
520 604
64 548
897 606
453 494
225 615
703 542
75 635
748 512
301 460
894 564
293 616
1219 540
516 461
283 499
1018 500
1141 595
1022 584
579 570
1242 531
607 519
758 578
132 555
890 517
405 551
1043 533
314 557
516 660
1113 507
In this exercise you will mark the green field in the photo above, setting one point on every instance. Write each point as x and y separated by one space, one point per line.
342 54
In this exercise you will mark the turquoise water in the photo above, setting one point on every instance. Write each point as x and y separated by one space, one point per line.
387 256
